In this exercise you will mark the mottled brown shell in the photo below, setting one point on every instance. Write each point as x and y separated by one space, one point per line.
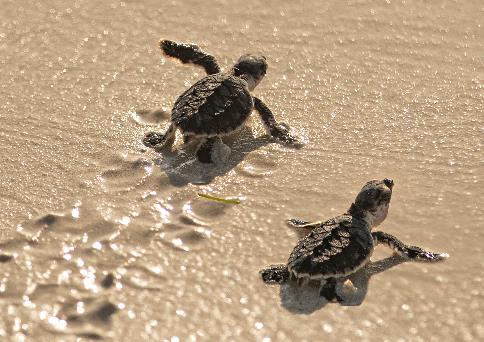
215 105
336 248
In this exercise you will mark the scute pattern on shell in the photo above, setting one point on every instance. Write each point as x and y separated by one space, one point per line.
337 247
216 104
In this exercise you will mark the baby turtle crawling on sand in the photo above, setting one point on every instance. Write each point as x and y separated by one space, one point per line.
340 246
218 104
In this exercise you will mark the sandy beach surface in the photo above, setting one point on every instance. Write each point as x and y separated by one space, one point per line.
101 238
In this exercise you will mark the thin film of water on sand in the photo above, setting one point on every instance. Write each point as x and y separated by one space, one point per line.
103 239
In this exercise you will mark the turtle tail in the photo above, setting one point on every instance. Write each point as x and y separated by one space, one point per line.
275 274
157 140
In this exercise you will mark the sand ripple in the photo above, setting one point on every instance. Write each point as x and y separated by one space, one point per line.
89 318
125 172
202 212
257 165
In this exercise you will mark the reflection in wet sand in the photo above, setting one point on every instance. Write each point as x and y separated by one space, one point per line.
83 255
306 299
101 237
183 169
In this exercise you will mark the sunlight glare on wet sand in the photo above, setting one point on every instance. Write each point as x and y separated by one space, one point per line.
104 238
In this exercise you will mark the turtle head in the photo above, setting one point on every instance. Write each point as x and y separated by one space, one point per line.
373 201
252 68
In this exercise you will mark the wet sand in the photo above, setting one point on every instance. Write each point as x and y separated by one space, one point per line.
101 238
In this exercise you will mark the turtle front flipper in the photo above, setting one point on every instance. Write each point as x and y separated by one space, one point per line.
190 53
278 131
409 252
275 274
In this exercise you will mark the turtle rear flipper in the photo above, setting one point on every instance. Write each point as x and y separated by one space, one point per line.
275 274
159 141
191 54
204 151
328 291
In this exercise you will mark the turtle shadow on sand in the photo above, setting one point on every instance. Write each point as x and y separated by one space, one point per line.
183 168
305 299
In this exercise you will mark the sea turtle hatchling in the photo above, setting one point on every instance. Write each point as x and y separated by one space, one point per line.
218 104
340 246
